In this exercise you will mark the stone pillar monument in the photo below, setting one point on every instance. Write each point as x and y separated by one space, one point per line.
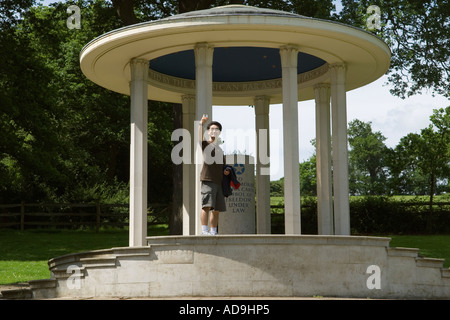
138 152
203 96
340 151
292 221
240 215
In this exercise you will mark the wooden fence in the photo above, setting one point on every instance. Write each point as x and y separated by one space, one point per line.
97 215
75 215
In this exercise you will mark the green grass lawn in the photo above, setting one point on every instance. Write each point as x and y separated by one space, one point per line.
24 255
432 246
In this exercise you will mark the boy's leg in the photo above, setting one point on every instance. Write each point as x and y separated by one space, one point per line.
214 221
220 205
204 219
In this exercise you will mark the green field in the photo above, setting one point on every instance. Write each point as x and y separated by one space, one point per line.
24 255
425 199
432 246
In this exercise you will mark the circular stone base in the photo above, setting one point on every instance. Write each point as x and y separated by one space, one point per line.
252 266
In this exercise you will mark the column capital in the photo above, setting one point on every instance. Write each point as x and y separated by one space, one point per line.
139 69
188 103
322 92
336 66
289 56
289 47
136 61
321 85
204 54
262 104
337 72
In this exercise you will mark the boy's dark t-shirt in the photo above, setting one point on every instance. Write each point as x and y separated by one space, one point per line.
213 162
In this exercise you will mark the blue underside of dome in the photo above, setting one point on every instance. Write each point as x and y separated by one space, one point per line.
233 64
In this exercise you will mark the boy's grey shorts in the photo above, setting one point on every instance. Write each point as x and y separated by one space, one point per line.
212 196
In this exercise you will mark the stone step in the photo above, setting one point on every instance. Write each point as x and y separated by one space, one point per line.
99 261
105 255
42 284
429 262
402 252
445 273
144 250
18 294
61 272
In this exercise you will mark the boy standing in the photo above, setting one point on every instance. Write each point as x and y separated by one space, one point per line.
211 177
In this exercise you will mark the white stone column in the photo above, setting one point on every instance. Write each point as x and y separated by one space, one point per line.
138 152
263 221
289 58
340 152
203 89
323 160
188 109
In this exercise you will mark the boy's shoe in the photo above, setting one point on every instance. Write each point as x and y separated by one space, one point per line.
206 233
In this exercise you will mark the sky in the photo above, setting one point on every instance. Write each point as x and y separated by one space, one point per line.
390 115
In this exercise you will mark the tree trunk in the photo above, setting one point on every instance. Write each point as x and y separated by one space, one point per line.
429 226
125 11
189 5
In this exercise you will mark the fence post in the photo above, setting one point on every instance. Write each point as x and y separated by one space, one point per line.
22 215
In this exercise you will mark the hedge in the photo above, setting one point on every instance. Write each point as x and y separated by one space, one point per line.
376 215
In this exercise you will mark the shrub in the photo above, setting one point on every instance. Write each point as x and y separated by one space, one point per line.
376 215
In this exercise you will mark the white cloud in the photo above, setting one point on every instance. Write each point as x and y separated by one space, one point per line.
392 116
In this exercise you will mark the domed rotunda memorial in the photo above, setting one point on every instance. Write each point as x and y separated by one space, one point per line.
242 55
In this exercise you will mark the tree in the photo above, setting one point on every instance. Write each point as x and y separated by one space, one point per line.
63 137
423 160
28 164
91 124
366 159
308 177
434 153
405 178
417 31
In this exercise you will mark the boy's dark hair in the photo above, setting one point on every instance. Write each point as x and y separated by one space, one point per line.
214 123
